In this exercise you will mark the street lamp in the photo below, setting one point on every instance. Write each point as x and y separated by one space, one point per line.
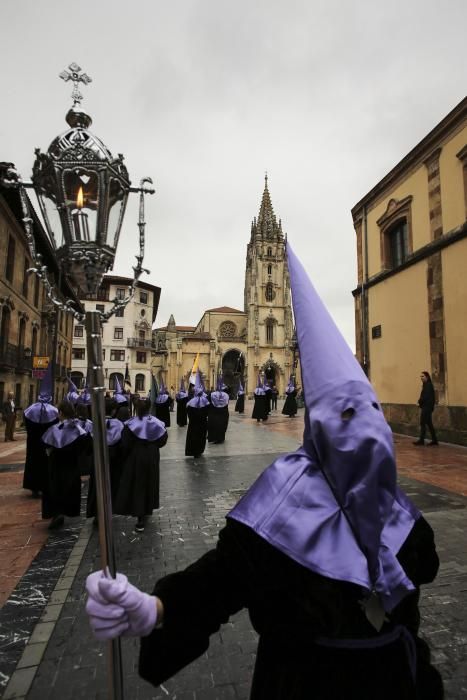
82 191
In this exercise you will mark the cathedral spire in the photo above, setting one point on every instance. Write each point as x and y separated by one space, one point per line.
267 224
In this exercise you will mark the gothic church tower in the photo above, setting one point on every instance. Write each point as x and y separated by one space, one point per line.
267 301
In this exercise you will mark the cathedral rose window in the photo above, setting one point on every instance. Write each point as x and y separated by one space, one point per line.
227 329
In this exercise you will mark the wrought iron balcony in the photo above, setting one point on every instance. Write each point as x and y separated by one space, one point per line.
139 343
13 356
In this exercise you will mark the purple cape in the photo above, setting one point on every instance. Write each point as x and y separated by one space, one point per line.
114 430
86 425
199 401
63 434
41 412
146 428
259 391
219 399
161 398
181 395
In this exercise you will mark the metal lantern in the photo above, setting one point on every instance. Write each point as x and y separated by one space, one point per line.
82 191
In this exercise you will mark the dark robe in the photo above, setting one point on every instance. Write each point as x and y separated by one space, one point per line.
196 432
181 411
290 607
138 492
268 396
240 403
62 493
163 412
115 469
290 405
218 420
36 466
260 411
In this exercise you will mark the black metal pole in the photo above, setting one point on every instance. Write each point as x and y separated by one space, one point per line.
102 476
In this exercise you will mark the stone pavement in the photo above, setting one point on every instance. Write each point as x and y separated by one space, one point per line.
44 633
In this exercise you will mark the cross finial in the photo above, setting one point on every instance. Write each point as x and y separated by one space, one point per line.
75 74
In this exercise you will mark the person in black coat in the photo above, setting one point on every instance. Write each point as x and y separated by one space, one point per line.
240 403
290 406
197 411
218 415
38 418
260 409
427 406
138 492
182 400
324 550
66 443
163 406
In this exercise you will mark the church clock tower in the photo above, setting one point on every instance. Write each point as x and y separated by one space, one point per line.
267 302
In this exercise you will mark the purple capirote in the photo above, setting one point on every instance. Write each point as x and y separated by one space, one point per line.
333 505
147 428
199 400
63 434
42 411
181 394
119 396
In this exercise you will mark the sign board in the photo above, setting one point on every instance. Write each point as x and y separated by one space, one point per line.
39 362
38 373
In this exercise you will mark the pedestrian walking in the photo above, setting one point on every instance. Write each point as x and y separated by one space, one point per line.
274 394
427 403
9 417
324 550
197 411
182 400
240 403
163 405
290 406
38 418
260 411
218 414
138 492
66 445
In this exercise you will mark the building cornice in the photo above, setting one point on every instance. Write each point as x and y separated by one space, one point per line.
417 156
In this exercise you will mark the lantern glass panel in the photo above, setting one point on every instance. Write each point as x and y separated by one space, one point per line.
52 218
81 193
117 202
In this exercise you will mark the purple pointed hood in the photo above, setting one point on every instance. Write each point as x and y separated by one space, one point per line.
219 398
163 394
147 428
119 396
85 397
334 505
259 391
200 399
73 394
181 394
42 411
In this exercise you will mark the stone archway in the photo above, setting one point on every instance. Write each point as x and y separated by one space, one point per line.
233 366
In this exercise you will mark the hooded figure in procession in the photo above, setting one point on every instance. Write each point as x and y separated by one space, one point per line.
67 445
290 406
197 410
240 403
163 405
260 409
38 418
83 414
73 393
218 416
141 438
324 550
121 409
182 400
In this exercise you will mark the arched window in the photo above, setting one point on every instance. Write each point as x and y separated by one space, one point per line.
139 382
112 380
269 252
269 269
269 331
269 293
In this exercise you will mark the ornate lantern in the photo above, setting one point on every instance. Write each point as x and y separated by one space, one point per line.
82 191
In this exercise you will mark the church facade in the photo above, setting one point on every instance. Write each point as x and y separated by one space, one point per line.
242 344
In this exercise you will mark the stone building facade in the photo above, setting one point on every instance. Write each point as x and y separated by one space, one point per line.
127 343
30 326
240 343
411 298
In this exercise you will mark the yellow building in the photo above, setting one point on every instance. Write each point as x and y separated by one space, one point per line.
411 299
241 344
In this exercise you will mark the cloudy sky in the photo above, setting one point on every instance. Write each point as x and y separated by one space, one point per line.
206 95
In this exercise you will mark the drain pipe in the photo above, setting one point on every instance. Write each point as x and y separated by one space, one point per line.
363 295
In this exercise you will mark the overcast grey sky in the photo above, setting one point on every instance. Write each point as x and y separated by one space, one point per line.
205 95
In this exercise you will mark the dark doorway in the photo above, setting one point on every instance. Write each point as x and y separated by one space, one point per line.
270 374
233 366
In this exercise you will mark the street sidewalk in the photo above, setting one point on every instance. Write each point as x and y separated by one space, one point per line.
46 648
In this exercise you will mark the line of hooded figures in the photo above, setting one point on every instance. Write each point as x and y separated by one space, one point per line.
324 550
59 449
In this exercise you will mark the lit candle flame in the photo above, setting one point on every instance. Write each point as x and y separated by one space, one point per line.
80 199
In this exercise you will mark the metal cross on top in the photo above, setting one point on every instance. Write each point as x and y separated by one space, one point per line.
77 76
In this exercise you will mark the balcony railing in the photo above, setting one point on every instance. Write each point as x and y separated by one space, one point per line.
139 343
12 356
